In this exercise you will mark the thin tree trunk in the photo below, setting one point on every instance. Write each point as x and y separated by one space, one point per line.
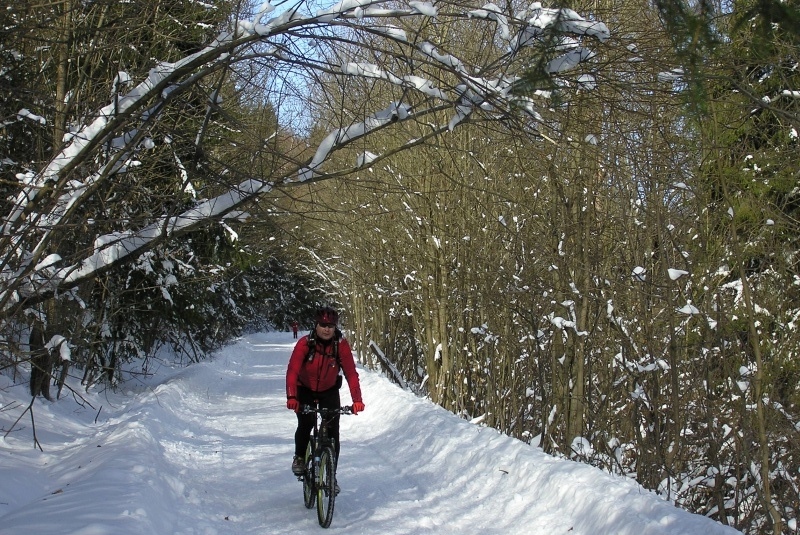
758 386
62 72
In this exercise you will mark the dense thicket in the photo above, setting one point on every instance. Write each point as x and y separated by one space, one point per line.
620 288
128 170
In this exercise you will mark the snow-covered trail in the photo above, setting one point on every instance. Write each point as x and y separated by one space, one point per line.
207 450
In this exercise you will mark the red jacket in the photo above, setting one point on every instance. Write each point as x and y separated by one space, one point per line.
320 373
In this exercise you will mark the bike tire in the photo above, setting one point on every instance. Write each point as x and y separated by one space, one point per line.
326 493
309 490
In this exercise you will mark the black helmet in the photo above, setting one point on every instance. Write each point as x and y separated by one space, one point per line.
327 315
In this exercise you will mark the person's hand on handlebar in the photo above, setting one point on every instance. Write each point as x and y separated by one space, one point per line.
358 406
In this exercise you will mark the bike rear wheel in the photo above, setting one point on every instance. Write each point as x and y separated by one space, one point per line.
309 492
326 492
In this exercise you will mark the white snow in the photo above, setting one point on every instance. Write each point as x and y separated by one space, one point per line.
207 450
675 274
493 12
425 8
689 309
25 113
672 76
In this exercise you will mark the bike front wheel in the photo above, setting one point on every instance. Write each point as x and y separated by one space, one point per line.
309 492
326 491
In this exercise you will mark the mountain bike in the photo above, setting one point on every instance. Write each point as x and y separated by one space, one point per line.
319 477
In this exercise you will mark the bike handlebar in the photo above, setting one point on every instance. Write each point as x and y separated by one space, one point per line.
311 409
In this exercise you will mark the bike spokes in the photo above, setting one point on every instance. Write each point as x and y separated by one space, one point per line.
309 492
326 493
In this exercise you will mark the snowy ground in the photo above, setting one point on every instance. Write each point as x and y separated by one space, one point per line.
206 450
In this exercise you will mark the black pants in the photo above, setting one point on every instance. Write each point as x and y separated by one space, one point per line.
328 399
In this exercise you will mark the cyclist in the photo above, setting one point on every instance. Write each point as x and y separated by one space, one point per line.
313 374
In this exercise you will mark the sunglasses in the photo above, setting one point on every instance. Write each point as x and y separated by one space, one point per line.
327 325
